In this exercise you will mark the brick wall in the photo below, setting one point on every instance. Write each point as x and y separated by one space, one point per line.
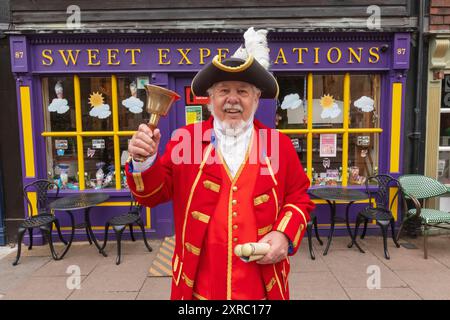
439 15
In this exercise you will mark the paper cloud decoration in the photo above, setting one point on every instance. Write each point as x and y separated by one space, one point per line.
133 104
291 101
58 105
101 112
331 113
364 103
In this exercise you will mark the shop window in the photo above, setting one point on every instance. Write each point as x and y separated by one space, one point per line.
58 104
328 101
327 159
132 99
292 111
364 101
87 147
96 103
99 162
333 121
62 163
362 157
444 139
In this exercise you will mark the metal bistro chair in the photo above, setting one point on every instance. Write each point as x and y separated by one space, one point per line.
312 222
382 212
119 224
420 188
43 219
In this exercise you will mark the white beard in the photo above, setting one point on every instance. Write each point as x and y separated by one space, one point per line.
233 140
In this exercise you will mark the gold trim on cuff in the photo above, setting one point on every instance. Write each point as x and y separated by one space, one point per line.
298 209
137 177
148 194
284 222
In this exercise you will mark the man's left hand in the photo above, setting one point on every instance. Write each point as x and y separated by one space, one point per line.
279 245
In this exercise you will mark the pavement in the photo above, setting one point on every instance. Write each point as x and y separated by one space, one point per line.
344 274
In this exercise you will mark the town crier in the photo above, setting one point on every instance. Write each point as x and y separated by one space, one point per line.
232 181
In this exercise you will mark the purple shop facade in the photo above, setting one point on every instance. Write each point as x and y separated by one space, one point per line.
171 60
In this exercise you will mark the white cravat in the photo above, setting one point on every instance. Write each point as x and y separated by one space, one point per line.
233 148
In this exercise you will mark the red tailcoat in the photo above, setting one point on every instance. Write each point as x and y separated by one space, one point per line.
190 175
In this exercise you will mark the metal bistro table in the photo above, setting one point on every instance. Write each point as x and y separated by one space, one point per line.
77 202
333 194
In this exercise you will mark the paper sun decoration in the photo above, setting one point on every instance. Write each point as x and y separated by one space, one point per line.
99 109
330 108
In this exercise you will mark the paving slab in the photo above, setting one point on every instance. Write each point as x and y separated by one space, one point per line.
315 286
128 276
428 285
12 276
41 288
382 294
302 262
156 288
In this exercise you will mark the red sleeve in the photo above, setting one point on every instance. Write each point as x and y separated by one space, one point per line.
154 185
297 205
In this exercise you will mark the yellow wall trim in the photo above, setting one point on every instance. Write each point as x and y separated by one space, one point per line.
396 119
27 132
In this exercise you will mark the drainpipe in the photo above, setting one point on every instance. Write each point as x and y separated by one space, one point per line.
417 135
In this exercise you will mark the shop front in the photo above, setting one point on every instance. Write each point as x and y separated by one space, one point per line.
81 97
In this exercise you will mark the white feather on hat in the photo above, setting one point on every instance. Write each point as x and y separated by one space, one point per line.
255 45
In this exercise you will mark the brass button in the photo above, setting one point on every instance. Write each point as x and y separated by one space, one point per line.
235 227
235 214
235 188
235 239
234 202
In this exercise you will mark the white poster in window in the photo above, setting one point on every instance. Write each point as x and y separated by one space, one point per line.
98 143
142 81
328 145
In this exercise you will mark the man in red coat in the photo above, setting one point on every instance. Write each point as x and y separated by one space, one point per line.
232 181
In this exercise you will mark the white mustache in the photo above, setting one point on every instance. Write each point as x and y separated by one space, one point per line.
229 106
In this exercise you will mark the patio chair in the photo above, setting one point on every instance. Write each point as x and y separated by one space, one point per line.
119 224
312 222
382 211
420 188
42 219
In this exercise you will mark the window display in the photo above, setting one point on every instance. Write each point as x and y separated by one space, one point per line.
292 110
62 162
333 131
96 100
99 162
364 101
328 105
132 99
58 103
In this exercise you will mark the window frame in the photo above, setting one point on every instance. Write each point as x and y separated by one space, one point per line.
345 130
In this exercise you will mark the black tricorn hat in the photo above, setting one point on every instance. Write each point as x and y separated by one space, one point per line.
235 69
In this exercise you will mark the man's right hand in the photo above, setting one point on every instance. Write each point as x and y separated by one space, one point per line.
144 142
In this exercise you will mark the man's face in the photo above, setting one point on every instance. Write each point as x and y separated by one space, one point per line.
234 102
